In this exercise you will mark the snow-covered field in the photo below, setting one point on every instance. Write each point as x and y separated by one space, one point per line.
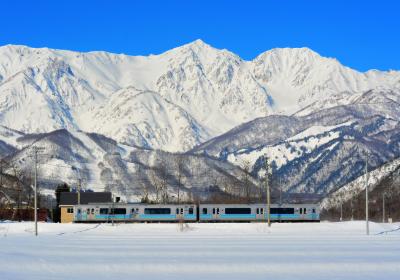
200 251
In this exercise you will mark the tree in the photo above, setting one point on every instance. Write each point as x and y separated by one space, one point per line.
246 182
180 162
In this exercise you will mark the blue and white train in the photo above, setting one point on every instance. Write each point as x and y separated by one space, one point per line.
121 212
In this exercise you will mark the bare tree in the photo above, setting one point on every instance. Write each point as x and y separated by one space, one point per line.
246 182
180 162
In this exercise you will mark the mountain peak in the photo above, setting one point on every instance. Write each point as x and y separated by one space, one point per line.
196 46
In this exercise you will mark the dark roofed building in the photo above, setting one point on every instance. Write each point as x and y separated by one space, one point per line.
69 199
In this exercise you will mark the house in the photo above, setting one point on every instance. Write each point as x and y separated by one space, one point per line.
69 199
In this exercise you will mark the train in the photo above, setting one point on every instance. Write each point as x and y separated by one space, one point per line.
139 212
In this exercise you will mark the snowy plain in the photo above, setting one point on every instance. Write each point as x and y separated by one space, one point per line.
200 251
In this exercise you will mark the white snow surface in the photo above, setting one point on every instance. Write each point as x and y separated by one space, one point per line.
200 251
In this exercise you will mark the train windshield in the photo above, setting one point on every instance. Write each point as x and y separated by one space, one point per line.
157 211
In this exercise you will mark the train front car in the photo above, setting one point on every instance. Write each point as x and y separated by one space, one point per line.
295 213
105 212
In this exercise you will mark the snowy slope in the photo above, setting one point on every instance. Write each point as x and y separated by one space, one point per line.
101 163
353 188
317 153
203 91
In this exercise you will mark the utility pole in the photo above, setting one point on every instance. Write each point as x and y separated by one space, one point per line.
280 191
36 150
383 207
79 191
366 195
112 209
268 191
341 211
1 172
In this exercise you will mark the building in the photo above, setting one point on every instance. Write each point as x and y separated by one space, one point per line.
69 199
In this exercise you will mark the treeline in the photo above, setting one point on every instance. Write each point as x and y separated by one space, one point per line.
354 208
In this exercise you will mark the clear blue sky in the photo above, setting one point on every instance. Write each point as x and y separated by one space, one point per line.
361 34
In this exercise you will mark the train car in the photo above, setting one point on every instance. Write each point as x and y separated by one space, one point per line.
120 212
138 212
258 212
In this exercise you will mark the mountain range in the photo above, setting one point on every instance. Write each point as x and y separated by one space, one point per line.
313 117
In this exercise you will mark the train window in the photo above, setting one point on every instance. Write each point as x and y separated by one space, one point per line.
217 211
133 210
103 211
213 211
313 210
79 211
258 211
190 210
301 210
283 210
70 210
237 211
92 211
205 211
88 211
177 211
157 211
118 211
305 210
181 211
262 211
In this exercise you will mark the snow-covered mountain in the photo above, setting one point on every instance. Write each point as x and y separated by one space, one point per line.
317 153
101 163
178 99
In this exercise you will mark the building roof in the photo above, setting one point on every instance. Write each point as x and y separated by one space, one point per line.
69 198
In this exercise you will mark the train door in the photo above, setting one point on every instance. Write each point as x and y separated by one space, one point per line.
215 213
134 213
79 214
91 215
259 213
179 213
303 213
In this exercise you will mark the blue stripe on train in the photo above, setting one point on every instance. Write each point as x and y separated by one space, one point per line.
158 216
206 216
189 217
237 216
253 216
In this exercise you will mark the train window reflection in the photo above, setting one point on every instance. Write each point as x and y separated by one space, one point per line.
283 210
157 211
238 210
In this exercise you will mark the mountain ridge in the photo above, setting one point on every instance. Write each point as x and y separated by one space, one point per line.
43 89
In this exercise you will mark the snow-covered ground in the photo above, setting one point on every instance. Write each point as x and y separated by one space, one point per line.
200 251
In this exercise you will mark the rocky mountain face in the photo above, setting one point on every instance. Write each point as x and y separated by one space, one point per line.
313 117
97 163
317 153
178 99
